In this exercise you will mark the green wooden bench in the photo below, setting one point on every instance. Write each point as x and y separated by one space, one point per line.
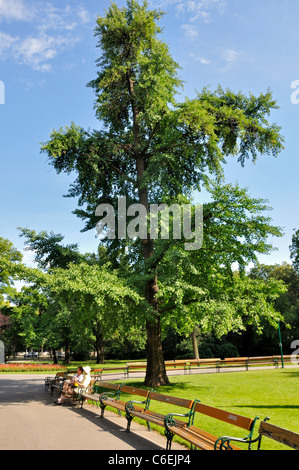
234 362
202 439
204 363
170 365
57 383
53 380
263 361
112 396
116 396
150 415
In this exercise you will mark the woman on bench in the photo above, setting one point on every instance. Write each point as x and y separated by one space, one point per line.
79 380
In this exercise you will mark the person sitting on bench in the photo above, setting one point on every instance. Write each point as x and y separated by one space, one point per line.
79 380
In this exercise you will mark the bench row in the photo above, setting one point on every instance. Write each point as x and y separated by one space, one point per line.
140 403
188 364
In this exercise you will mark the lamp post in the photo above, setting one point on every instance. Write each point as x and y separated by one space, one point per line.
280 345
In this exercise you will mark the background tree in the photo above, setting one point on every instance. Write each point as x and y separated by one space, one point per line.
152 148
287 304
9 256
96 301
294 249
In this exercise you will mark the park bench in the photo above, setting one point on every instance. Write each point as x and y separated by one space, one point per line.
135 367
201 363
263 361
234 362
52 380
288 438
112 396
170 365
115 398
151 416
57 383
202 439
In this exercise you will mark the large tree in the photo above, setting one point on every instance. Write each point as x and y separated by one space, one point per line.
152 148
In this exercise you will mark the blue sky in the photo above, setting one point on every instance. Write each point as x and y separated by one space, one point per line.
47 55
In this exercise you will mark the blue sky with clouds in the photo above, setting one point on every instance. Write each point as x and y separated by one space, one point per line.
47 55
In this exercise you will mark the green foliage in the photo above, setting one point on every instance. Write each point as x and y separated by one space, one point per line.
294 248
49 253
9 256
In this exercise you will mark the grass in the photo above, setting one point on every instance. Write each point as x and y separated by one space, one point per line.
273 393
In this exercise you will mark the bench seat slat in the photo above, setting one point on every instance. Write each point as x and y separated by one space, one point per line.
197 437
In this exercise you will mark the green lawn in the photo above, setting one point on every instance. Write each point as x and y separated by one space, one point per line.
273 393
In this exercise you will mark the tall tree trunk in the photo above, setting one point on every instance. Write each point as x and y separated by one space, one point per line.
67 356
155 371
194 344
99 346
55 360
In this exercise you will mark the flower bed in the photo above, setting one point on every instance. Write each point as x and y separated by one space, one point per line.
31 368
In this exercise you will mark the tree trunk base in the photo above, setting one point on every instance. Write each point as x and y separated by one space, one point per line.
155 372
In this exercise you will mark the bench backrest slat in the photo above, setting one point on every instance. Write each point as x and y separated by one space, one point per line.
136 364
233 359
172 400
203 361
107 385
135 391
278 434
232 418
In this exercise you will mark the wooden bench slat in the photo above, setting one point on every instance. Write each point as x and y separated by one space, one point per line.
231 418
173 400
199 438
108 385
135 391
289 438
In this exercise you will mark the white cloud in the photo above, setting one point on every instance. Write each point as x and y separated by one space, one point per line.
203 61
53 30
6 43
230 56
196 9
15 10
38 51
190 31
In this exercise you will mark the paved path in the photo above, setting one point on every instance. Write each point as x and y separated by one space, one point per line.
30 421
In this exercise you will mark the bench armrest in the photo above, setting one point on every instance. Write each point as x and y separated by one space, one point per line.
224 441
170 421
106 395
129 406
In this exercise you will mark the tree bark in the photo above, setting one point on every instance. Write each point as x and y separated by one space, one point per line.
194 344
155 371
99 346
